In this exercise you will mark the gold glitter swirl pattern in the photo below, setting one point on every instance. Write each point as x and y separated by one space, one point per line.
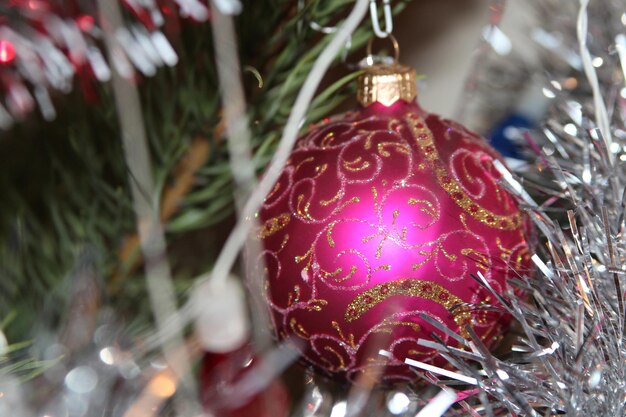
409 287
335 198
424 139
298 330
274 225
388 209
273 192
342 363
303 212
356 165
388 326
349 339
399 147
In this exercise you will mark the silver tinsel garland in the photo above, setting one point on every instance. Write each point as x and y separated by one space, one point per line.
567 357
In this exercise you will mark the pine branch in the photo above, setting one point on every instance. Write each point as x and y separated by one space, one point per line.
73 191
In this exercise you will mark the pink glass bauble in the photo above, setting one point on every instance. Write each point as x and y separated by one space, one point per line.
380 216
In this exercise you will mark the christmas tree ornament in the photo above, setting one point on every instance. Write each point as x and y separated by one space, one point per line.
223 393
381 216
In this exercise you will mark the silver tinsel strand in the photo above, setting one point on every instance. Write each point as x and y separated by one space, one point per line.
567 357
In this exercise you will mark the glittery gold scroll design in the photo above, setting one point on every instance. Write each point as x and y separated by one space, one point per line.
348 170
409 287
360 161
339 351
312 201
457 192
303 211
363 141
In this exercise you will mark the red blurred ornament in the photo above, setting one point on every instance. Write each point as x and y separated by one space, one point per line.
7 52
381 215
221 392
85 22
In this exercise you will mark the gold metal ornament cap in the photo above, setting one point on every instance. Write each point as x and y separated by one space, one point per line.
386 84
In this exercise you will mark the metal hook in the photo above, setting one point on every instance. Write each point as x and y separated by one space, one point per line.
388 18
396 50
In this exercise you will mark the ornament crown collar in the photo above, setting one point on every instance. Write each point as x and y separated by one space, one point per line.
386 83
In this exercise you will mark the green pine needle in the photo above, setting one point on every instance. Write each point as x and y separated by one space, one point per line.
64 185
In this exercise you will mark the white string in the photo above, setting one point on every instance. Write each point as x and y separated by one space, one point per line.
602 117
238 134
229 300
239 234
161 291
228 7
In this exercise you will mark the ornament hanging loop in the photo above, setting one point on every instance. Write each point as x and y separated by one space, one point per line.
388 18
394 43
